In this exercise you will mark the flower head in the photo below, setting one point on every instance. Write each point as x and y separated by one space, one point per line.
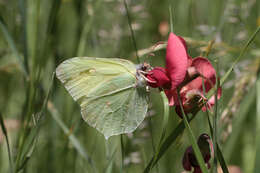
186 74
189 160
192 94
176 65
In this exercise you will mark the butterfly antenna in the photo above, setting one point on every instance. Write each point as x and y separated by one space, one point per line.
132 31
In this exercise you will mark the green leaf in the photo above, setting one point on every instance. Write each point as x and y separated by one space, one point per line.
220 156
194 144
7 142
257 157
251 39
217 151
111 157
224 78
165 145
30 142
215 132
164 125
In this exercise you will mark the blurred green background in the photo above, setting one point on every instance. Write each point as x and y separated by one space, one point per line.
37 35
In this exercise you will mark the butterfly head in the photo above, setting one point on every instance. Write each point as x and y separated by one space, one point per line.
141 71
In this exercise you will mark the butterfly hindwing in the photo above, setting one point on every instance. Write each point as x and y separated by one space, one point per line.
106 91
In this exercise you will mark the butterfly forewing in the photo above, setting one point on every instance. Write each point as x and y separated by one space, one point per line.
106 91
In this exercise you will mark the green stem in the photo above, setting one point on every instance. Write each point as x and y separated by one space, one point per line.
122 153
165 116
132 31
7 142
86 29
215 122
219 154
194 144
164 125
171 18
257 155
224 78
240 56
217 151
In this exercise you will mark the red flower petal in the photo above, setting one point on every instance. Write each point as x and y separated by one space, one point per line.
186 159
211 101
170 97
189 60
183 42
205 69
176 60
197 170
158 78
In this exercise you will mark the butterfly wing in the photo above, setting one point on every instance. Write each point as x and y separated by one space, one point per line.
106 90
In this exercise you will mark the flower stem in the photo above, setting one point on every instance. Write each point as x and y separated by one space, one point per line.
194 144
164 125
171 19
122 153
215 133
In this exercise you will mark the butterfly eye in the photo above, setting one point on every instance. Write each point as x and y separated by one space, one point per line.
145 66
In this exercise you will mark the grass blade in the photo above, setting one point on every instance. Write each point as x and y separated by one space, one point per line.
221 160
194 144
165 116
12 46
164 125
257 157
166 144
122 153
171 18
110 162
220 156
7 142
31 140
86 30
218 152
215 132
132 31
224 78
251 39
75 142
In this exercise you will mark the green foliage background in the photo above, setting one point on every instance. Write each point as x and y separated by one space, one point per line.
37 35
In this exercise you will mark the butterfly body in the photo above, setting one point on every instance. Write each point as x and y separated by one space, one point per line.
110 92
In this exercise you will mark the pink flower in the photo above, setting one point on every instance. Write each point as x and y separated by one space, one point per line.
186 74
176 65
157 78
192 93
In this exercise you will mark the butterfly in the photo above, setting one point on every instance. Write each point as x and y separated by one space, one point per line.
111 92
